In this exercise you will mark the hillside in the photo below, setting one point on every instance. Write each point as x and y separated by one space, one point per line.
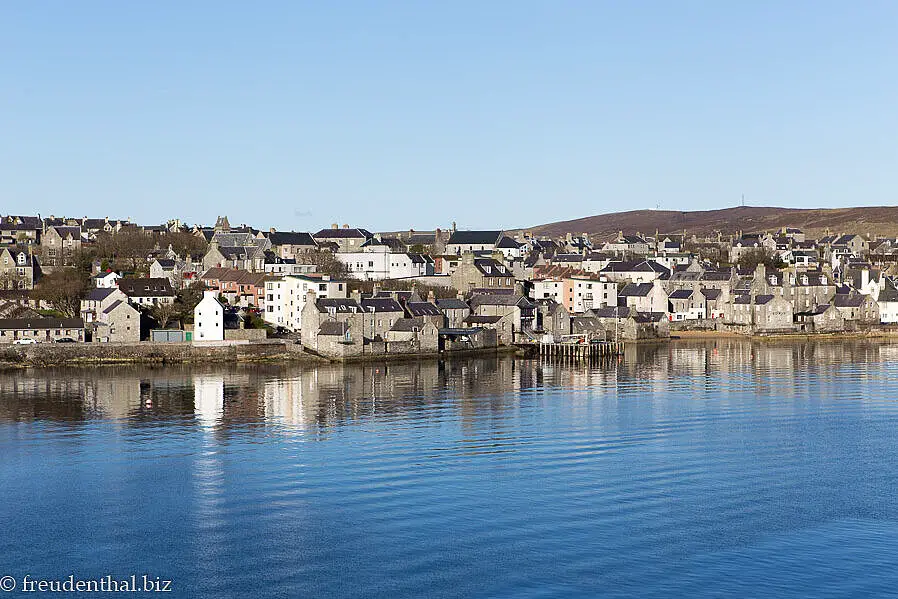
879 220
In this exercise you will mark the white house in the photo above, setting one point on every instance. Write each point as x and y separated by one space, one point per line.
377 262
107 280
286 297
208 319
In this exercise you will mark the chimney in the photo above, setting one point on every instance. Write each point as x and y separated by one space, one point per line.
375 289
271 230
454 229
431 296
345 226
356 294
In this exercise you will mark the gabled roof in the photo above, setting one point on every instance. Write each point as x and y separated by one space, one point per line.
333 328
98 294
507 242
612 312
474 319
628 266
711 294
339 305
423 309
408 325
636 290
842 300
452 303
760 300
41 323
491 267
380 304
290 238
146 287
474 237
355 233
681 294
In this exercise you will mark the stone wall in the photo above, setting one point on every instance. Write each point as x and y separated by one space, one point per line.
100 353
245 334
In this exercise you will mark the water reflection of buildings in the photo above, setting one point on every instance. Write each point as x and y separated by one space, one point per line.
299 398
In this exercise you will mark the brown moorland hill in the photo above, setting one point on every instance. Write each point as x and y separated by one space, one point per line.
877 220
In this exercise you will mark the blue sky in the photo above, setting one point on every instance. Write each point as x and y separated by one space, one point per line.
415 114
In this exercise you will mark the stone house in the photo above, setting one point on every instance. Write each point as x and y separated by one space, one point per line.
17 268
427 310
481 273
687 304
59 246
290 245
41 330
824 318
318 311
762 313
857 309
419 332
147 291
455 310
117 323
552 319
97 300
345 239
378 316
715 304
520 308
644 297
502 324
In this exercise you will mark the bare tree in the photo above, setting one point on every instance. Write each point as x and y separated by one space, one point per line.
62 290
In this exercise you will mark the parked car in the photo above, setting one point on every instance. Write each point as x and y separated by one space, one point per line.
65 340
24 342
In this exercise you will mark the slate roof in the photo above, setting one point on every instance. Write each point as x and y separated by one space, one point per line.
888 293
474 319
423 309
711 294
507 242
166 263
452 303
113 306
408 325
491 267
291 238
628 266
681 294
380 304
761 300
841 300
340 305
636 290
41 323
612 312
146 287
333 328
98 294
354 233
474 237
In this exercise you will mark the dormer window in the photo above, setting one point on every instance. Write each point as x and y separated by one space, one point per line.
772 279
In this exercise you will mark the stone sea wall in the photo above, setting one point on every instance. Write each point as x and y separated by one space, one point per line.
111 353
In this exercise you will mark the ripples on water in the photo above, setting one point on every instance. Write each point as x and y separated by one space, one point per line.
694 469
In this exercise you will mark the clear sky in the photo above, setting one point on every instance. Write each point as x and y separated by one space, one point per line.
385 114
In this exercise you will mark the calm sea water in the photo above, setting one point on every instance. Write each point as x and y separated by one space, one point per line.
713 469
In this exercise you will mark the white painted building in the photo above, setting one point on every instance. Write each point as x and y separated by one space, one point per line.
377 263
208 318
107 280
285 297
